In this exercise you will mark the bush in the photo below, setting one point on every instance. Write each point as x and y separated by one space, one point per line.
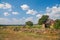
57 24
29 23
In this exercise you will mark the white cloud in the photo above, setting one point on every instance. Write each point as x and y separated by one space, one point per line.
32 12
16 21
4 21
24 7
15 13
53 12
32 19
39 15
11 21
29 19
1 5
28 10
5 6
6 14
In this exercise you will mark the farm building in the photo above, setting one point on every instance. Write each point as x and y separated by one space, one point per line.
48 24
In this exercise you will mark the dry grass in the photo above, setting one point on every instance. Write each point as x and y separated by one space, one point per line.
9 34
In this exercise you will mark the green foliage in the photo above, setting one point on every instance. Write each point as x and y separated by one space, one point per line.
57 24
29 23
43 19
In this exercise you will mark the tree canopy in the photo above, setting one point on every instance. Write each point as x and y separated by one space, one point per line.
29 23
43 19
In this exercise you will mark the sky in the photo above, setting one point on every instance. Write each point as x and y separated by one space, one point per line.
18 12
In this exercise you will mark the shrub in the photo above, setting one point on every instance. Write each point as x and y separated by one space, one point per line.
29 23
57 24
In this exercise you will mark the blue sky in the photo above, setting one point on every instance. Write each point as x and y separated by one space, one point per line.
20 11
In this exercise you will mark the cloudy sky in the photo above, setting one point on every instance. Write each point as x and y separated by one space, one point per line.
20 11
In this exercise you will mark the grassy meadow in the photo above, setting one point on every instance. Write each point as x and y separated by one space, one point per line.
28 33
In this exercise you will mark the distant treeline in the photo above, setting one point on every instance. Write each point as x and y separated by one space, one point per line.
12 25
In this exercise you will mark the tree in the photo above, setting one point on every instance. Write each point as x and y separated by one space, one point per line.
43 19
29 23
57 24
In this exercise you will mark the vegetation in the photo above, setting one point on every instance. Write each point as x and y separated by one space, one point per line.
29 23
29 34
43 19
57 24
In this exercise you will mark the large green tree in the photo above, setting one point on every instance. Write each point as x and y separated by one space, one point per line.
57 24
43 19
29 23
